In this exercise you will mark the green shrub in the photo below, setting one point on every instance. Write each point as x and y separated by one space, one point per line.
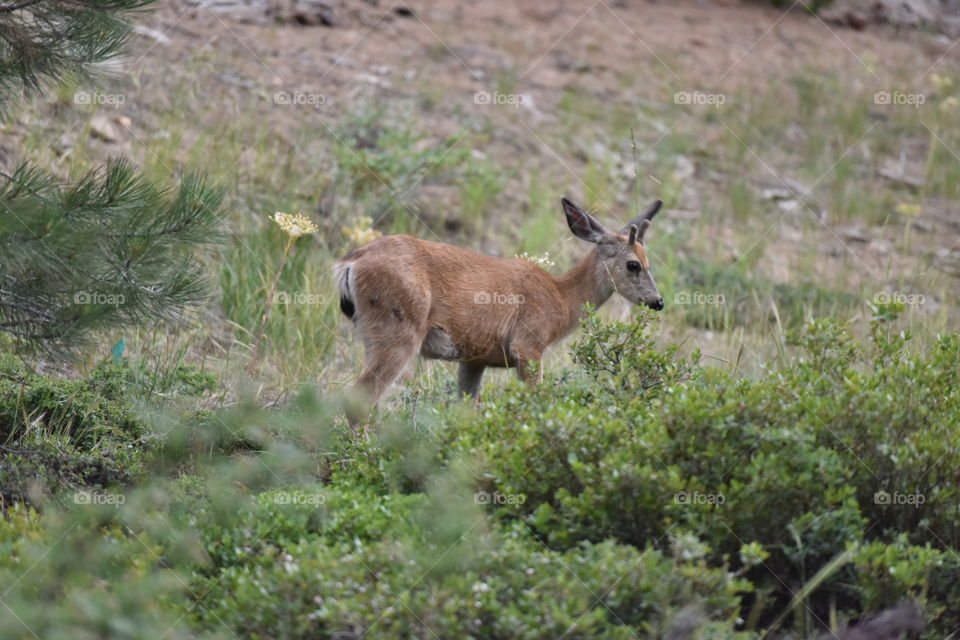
357 566
804 460
19 527
84 411
622 359
65 434
576 472
62 434
618 500
85 576
889 572
284 517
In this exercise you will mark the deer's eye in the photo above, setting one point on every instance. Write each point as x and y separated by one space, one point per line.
633 266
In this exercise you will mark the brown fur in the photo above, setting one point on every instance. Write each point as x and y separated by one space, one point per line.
641 255
409 296
428 283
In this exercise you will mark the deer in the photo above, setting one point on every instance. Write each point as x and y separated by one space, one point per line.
407 296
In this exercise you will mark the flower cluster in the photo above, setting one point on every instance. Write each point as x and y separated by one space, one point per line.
543 261
362 232
908 209
295 224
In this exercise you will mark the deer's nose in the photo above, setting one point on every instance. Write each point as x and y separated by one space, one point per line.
657 305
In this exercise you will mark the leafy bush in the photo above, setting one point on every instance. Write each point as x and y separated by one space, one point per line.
887 572
84 575
622 359
358 566
637 495
65 434
60 434
835 449
82 410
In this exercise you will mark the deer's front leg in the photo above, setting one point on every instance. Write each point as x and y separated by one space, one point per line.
470 376
526 357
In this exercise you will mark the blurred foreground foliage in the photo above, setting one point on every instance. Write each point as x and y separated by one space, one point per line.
639 495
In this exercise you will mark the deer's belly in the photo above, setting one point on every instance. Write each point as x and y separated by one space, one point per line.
440 345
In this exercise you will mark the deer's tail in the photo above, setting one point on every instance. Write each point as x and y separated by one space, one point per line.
343 276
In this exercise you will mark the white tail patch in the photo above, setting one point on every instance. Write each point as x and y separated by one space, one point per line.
346 288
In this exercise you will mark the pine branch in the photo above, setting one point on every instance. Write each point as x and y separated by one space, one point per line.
114 250
42 40
18 6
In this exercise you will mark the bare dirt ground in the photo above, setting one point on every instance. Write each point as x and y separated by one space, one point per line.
461 48
549 45
636 53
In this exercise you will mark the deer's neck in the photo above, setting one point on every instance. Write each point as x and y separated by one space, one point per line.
586 282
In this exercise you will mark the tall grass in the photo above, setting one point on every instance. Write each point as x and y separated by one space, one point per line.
382 160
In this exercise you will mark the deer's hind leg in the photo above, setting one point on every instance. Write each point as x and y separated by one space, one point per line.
384 364
384 361
392 326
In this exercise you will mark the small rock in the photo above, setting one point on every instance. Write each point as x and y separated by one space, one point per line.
376 81
684 168
313 13
103 127
856 234
897 172
858 14
343 61
154 34
64 144
801 190
775 194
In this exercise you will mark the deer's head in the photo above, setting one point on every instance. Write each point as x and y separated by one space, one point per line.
621 254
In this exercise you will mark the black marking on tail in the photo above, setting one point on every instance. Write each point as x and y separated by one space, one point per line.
346 305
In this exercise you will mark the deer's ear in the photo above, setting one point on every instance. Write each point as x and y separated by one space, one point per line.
582 224
642 221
